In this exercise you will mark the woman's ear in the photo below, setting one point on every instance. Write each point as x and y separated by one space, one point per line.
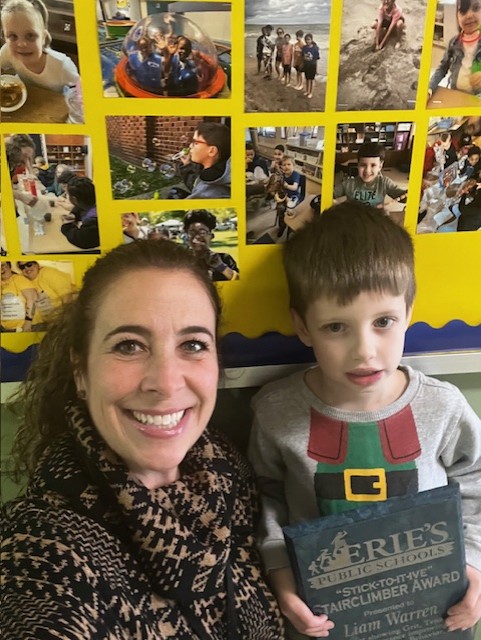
78 375
300 327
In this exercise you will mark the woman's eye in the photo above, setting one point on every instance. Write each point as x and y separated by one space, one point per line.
128 347
384 323
195 346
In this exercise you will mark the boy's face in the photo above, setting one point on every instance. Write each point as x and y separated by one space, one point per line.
474 159
368 169
201 151
287 38
470 21
358 348
278 155
25 35
287 167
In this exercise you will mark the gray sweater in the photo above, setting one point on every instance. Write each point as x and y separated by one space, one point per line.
448 431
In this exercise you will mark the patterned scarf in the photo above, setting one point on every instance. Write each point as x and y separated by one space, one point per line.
189 537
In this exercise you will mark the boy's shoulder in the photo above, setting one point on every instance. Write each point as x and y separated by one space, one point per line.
279 392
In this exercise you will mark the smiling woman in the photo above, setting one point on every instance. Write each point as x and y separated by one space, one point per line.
139 518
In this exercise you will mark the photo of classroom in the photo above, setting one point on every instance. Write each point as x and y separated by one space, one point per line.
380 55
209 233
451 190
31 291
53 192
151 49
283 180
286 55
40 79
372 164
169 157
453 83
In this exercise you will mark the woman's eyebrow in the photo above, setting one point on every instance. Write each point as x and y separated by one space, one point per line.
146 333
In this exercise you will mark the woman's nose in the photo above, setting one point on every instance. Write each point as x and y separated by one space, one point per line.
163 374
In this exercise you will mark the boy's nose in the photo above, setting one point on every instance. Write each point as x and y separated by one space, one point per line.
364 346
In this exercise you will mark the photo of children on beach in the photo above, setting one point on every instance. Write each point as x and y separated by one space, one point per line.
31 291
381 45
210 234
372 164
169 157
286 55
148 50
283 180
455 79
39 65
53 192
451 190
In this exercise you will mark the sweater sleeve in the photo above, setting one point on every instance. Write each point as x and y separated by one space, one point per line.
443 67
85 237
461 457
48 589
267 461
392 189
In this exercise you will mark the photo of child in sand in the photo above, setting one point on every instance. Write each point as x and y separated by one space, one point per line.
283 180
169 157
381 44
40 80
286 55
372 164
456 58
55 213
451 188
151 52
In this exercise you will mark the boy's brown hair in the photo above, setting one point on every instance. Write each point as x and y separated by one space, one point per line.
350 248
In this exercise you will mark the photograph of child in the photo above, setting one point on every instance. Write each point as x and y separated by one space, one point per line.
381 44
286 55
149 52
31 291
39 63
372 164
55 213
283 180
169 158
210 234
451 189
456 57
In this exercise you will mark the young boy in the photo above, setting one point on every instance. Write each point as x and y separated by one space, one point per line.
369 186
279 152
291 182
206 169
350 274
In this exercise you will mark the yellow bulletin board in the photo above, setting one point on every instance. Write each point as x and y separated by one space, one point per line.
359 95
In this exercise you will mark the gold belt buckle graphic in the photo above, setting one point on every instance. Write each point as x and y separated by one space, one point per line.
379 482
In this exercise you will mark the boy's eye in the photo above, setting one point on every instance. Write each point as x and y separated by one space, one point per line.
384 323
128 347
334 327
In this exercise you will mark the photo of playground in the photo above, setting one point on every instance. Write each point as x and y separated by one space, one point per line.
283 180
372 164
209 233
451 191
167 158
165 49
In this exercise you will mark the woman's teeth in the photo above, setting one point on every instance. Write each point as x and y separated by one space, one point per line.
168 420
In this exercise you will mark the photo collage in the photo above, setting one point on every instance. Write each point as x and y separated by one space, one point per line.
257 114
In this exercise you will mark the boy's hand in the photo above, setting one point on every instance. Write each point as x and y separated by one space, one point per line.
295 610
465 613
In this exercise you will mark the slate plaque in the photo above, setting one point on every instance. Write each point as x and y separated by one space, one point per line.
387 571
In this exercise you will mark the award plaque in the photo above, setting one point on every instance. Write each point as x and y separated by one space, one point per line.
387 571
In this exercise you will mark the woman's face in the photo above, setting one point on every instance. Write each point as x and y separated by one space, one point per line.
151 375
470 21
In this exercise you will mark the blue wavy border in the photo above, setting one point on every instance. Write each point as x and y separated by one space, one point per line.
274 348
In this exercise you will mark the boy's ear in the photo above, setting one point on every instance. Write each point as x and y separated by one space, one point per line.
300 327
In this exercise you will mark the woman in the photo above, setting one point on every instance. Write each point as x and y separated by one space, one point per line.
138 521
